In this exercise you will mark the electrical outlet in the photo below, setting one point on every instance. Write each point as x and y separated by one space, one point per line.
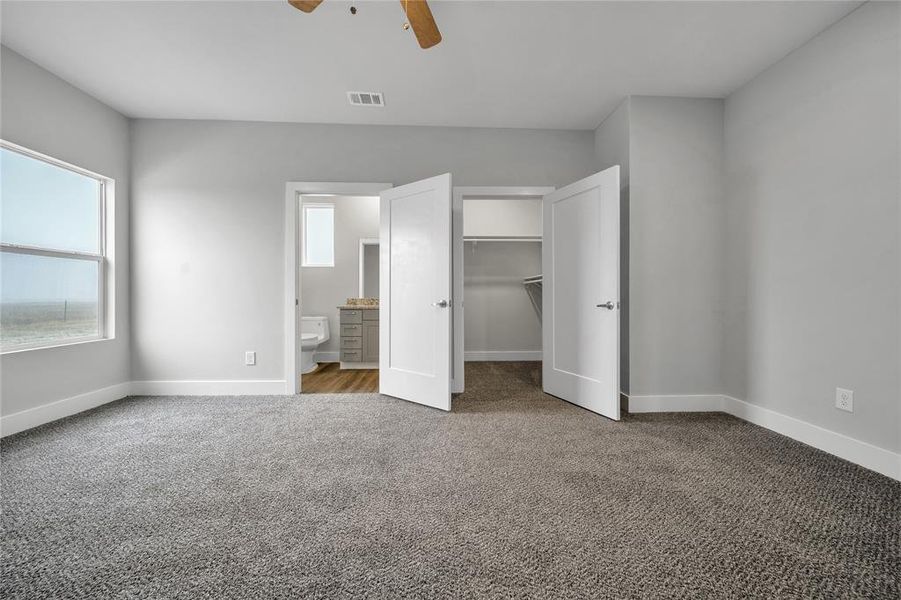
250 358
844 400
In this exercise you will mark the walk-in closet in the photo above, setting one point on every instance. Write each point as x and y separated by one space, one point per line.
502 273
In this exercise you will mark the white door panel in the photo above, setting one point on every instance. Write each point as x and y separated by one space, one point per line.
415 329
580 257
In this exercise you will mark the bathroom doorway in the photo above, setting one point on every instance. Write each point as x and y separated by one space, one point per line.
339 274
356 368
335 276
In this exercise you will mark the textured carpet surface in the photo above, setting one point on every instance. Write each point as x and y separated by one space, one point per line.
514 494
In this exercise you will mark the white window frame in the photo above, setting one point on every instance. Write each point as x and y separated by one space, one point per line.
105 189
303 211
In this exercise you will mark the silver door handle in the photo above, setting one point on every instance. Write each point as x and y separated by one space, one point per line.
607 305
441 303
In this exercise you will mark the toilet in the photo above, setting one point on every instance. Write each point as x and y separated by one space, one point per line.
313 331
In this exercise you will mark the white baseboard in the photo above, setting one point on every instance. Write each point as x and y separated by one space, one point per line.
326 356
676 403
866 455
66 407
860 453
501 355
227 387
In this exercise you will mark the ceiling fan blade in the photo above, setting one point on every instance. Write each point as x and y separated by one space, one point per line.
306 6
420 17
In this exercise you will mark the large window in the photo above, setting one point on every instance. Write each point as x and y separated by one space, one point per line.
52 251
318 235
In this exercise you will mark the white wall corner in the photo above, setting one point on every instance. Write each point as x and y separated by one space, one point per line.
225 387
39 415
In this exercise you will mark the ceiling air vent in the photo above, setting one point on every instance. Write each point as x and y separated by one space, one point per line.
366 98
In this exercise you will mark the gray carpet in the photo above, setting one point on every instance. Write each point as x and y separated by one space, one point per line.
512 495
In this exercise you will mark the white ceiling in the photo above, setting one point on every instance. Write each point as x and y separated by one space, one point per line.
502 64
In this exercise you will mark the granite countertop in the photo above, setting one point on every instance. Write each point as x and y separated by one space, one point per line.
358 307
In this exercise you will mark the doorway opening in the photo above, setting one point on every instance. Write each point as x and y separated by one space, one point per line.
332 287
499 256
339 273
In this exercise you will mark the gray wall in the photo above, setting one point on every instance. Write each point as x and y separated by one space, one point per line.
499 315
813 263
612 140
208 207
673 242
676 245
325 288
46 114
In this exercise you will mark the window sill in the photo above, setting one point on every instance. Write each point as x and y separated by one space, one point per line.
79 342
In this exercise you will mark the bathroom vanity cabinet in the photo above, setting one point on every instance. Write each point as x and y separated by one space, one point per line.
359 337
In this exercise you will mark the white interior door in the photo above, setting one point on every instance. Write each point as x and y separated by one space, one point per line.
415 292
580 261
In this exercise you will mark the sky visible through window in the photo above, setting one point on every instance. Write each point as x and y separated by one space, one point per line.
50 207
48 299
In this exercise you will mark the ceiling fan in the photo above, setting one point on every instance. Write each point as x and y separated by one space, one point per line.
419 17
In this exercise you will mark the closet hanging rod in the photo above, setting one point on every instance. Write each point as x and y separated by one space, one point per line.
501 239
476 279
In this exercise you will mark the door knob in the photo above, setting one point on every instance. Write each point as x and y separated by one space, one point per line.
608 305
441 303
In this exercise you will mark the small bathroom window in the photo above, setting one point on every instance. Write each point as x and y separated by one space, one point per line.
318 235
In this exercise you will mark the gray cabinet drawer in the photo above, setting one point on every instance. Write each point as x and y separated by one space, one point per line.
351 316
354 330
351 342
351 355
371 315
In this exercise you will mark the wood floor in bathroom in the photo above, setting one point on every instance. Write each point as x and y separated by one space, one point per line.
330 379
